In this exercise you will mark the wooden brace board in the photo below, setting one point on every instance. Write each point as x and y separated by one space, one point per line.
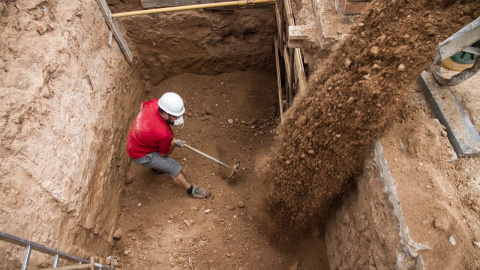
102 4
279 78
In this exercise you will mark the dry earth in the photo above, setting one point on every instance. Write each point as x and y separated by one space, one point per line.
349 105
351 102
364 91
163 228
438 192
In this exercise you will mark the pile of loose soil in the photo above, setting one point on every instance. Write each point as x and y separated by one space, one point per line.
327 132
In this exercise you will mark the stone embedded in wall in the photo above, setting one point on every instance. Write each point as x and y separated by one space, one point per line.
118 233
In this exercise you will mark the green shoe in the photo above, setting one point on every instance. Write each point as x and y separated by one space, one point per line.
198 193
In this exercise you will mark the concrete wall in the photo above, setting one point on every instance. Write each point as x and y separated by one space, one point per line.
65 112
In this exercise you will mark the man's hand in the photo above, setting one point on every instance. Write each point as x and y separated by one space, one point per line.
179 142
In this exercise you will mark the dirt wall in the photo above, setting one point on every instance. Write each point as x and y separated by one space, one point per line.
439 192
207 42
65 98
369 215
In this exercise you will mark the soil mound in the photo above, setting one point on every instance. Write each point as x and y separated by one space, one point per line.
324 137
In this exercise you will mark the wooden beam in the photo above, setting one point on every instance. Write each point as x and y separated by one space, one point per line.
288 75
147 4
279 17
173 3
190 7
114 28
279 20
279 79
289 13
300 71
297 35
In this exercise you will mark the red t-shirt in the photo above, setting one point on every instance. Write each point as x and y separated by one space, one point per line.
149 132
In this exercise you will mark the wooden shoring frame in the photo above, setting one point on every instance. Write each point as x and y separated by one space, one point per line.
295 80
278 17
289 53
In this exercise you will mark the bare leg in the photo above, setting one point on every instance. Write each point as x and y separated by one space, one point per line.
181 180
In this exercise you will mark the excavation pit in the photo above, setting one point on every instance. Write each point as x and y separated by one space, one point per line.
202 41
223 63
67 182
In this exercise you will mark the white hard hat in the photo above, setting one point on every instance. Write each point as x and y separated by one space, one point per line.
172 104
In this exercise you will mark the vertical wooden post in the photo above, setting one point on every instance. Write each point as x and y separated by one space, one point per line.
300 71
288 75
291 54
279 79
289 13
278 16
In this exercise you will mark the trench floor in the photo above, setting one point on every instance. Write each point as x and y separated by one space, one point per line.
165 229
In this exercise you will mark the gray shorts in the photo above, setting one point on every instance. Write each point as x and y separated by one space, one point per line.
165 164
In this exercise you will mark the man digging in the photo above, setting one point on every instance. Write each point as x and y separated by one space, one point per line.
150 140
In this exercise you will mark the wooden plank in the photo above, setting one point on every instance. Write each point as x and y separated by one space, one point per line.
297 35
280 36
462 134
232 8
149 4
174 3
281 8
297 32
291 54
279 20
288 70
289 13
235 3
288 75
114 28
300 71
279 79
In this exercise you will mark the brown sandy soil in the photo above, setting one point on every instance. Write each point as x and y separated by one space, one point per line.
199 41
349 105
351 102
439 193
163 228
